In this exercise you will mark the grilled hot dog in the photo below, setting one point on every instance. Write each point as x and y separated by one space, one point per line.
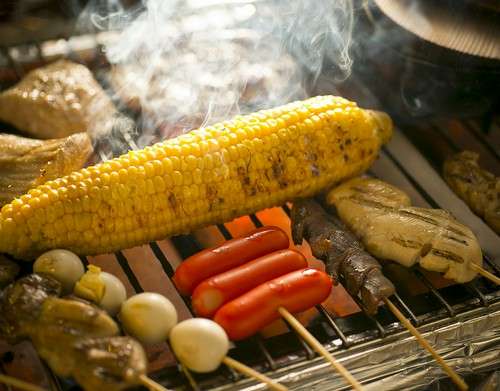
232 253
296 291
219 289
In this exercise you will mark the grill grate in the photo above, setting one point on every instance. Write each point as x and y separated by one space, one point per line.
411 161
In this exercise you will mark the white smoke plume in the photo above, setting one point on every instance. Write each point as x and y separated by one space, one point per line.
185 63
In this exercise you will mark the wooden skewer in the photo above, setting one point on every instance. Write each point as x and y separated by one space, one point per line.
314 343
21 384
453 375
252 373
151 384
483 272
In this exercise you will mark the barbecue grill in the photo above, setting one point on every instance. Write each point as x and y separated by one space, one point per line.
461 321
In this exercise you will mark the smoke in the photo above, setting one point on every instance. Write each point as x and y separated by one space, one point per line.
181 64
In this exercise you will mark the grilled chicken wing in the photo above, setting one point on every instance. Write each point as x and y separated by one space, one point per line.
479 188
57 100
333 243
26 163
380 215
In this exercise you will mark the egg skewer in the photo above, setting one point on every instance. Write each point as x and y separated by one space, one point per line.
101 288
192 342
151 317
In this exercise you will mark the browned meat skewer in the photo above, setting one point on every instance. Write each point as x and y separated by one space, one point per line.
478 187
333 243
111 363
20 305
74 337
8 271
57 100
26 163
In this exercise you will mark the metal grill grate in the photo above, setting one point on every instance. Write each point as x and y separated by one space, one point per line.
411 161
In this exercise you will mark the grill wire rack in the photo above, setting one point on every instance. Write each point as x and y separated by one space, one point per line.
439 312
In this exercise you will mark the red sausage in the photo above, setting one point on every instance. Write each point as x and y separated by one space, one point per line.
228 255
296 291
221 288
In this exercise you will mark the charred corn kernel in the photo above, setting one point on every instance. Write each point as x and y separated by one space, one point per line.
210 175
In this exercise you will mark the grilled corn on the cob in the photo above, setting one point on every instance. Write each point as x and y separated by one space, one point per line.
208 176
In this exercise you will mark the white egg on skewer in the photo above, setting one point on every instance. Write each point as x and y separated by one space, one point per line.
148 317
62 265
199 343
102 288
114 294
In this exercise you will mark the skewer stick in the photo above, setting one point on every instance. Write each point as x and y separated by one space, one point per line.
21 384
252 373
151 384
314 343
483 272
453 375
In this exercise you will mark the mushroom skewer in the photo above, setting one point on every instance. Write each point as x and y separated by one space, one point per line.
332 242
475 185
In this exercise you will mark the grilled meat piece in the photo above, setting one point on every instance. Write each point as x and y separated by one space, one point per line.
56 101
478 187
380 216
67 322
27 163
74 337
8 271
332 242
109 364
20 305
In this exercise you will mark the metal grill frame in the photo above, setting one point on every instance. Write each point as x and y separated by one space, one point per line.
288 355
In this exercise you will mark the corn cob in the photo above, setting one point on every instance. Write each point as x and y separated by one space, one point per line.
207 176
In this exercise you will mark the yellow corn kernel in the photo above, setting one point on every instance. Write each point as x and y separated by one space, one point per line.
208 176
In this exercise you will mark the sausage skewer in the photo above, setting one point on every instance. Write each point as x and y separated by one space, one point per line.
228 255
215 291
240 367
319 348
295 291
288 288
332 242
